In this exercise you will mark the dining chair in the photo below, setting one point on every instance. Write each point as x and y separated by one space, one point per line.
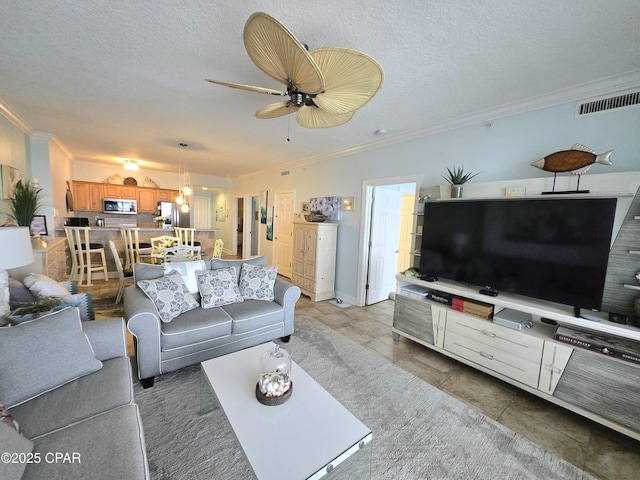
124 276
158 244
217 249
81 251
181 253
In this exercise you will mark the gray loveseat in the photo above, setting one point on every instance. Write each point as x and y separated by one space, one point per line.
166 343
67 385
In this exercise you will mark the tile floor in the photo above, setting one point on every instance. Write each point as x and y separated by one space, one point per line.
598 450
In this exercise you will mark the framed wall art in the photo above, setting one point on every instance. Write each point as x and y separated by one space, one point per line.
10 176
39 225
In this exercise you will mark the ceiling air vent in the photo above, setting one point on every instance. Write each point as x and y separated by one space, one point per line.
605 104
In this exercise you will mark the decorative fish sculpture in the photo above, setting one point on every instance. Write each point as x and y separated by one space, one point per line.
578 160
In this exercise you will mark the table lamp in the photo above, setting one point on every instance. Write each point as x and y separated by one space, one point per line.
15 251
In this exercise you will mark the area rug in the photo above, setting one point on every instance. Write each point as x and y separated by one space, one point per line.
419 432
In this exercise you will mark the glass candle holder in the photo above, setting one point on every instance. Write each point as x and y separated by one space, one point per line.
274 385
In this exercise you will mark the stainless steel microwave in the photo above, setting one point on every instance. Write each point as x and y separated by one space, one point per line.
120 206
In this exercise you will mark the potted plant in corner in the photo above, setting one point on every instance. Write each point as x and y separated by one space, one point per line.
24 203
457 178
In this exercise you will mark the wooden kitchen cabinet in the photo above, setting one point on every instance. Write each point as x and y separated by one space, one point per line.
88 196
81 196
112 191
163 195
127 192
147 200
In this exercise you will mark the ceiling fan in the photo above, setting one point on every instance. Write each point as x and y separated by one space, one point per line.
325 86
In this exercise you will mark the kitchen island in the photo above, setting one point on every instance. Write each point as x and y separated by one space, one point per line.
206 237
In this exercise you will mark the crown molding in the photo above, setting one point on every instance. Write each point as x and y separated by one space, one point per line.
576 93
14 118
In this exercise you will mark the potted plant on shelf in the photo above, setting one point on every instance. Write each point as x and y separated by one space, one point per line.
457 178
24 203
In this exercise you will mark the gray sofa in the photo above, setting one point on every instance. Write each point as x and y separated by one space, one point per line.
68 386
164 344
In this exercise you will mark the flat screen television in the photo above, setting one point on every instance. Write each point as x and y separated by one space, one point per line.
554 249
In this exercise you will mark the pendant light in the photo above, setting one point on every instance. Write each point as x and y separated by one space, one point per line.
185 191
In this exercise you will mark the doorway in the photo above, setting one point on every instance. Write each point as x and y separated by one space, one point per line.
380 239
240 227
248 226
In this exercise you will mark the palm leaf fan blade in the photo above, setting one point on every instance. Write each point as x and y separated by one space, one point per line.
274 110
313 117
351 79
279 54
251 88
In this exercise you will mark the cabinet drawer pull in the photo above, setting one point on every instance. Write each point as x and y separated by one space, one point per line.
489 334
486 355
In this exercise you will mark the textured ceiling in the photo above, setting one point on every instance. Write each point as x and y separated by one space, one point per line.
115 78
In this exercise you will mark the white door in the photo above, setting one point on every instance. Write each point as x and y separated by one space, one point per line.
202 212
282 231
384 244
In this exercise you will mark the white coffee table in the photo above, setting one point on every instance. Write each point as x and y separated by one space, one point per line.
306 437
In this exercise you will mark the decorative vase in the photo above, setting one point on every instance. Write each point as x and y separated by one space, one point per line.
274 386
456 191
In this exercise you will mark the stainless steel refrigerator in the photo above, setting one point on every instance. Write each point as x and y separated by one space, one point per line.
174 217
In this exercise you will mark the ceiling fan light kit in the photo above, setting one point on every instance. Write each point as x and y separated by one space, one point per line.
325 86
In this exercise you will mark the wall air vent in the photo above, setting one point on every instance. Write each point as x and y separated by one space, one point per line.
608 103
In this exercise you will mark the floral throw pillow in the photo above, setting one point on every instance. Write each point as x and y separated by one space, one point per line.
256 283
170 295
218 287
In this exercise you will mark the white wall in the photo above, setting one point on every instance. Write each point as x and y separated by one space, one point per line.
502 152
13 152
99 172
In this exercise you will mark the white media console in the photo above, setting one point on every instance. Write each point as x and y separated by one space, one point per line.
600 387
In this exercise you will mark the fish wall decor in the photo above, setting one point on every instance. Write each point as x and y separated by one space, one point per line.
577 161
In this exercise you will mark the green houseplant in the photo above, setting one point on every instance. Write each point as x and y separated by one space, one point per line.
457 177
24 203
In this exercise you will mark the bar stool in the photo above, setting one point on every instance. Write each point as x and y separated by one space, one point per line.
133 248
74 253
81 251
186 236
124 276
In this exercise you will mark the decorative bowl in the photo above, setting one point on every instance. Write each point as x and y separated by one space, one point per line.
273 401
315 218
